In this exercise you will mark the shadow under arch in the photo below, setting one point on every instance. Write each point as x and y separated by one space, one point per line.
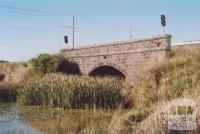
107 70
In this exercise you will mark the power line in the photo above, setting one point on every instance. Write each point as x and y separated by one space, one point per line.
29 13
32 26
31 10
87 17
50 13
32 14
106 24
27 29
23 11
45 13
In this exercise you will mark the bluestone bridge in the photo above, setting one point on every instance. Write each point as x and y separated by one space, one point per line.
123 59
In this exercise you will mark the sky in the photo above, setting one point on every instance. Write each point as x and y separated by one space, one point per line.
32 27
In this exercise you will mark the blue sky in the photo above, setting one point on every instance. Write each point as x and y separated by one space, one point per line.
27 33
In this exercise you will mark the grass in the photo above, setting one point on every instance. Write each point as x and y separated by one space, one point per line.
13 72
57 90
80 104
177 77
8 92
59 121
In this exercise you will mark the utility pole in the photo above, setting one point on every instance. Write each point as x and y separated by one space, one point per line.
131 34
73 30
72 26
1 43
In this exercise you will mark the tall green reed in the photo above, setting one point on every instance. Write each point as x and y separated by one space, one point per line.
57 90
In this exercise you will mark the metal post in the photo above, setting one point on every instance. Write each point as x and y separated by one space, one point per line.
73 29
163 29
130 34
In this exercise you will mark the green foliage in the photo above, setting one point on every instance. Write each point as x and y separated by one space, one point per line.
57 90
46 63
180 85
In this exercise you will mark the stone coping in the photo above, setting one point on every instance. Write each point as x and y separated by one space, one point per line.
120 42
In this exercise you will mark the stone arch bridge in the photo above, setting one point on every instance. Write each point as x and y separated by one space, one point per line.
120 58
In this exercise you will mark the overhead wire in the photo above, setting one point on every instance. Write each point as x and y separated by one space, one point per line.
32 14
23 28
17 29
28 13
23 11
31 10
103 22
87 17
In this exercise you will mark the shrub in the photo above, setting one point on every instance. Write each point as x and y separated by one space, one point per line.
46 63
58 90
2 77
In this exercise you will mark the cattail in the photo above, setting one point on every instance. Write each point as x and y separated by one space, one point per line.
57 90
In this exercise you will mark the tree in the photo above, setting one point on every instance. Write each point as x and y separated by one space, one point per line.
46 63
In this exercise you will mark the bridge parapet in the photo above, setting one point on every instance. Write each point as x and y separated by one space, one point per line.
153 43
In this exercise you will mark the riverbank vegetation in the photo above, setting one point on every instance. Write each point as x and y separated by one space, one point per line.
57 90
54 98
12 72
156 84
8 92
75 121
47 81
45 63
177 77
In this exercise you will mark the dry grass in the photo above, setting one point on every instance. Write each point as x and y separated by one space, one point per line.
169 80
14 72
59 121
177 77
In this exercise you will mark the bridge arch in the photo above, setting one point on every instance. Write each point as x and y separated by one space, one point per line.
107 69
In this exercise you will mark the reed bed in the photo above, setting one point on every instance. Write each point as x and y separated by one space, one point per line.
57 90
8 92
74 121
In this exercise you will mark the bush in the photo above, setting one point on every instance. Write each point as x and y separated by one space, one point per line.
57 90
2 77
46 63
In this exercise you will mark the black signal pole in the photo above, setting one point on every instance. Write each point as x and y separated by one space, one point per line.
163 22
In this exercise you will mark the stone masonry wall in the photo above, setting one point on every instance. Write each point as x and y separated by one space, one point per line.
127 56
